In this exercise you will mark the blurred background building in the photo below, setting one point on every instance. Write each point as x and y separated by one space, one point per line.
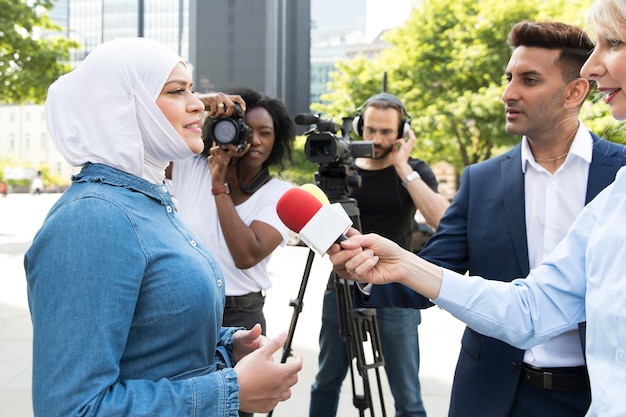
283 48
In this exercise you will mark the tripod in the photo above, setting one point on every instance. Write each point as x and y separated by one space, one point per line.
358 326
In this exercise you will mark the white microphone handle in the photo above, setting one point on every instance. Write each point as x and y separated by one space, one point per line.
325 227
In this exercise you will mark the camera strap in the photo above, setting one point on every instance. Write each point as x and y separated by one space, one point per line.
256 183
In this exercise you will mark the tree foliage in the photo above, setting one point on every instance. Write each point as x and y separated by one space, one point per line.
447 64
29 62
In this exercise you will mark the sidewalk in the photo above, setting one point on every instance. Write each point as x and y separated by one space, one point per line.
22 214
20 217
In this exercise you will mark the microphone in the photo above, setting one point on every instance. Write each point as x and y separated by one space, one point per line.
306 119
306 211
316 192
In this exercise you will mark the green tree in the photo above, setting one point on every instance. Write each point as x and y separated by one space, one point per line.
456 55
447 64
349 86
29 62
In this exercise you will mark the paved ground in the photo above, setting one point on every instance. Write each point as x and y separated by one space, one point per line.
22 214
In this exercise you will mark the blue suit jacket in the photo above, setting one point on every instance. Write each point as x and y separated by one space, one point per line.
484 232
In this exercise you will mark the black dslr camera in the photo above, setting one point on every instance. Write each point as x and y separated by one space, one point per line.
230 130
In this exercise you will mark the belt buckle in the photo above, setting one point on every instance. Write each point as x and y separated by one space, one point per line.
547 380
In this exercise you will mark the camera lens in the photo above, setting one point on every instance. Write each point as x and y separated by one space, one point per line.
224 131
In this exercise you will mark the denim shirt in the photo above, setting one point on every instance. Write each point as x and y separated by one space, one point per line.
126 307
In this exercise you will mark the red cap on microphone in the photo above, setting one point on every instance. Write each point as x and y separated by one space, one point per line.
319 225
296 207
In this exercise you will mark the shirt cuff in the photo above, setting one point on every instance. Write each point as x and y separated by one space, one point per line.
365 287
455 289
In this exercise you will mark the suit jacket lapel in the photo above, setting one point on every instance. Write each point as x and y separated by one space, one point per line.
604 165
513 197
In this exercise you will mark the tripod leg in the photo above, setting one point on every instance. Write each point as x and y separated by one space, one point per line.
297 305
366 324
357 326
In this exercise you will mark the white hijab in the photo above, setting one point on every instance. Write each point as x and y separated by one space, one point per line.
105 110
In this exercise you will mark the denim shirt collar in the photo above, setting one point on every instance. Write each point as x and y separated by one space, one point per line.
112 176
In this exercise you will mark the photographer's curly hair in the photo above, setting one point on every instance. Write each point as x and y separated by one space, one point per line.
284 127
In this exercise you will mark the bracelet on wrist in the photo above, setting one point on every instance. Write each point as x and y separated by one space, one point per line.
411 177
221 189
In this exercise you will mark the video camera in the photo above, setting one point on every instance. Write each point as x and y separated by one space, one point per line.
324 146
334 153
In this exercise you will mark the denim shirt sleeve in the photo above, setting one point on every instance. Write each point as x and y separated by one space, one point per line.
226 342
82 310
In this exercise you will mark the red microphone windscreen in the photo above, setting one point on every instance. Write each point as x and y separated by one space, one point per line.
296 207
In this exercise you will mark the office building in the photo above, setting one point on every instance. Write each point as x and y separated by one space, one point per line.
263 44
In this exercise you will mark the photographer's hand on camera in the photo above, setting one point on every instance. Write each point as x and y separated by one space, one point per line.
220 104
220 159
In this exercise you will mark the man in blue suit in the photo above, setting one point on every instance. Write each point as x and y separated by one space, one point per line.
510 212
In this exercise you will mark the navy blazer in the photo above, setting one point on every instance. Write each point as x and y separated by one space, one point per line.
484 232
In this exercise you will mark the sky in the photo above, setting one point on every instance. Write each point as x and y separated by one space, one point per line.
385 14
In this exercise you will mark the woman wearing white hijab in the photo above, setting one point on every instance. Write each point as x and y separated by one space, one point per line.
126 305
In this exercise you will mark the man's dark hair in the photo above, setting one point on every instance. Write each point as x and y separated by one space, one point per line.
574 43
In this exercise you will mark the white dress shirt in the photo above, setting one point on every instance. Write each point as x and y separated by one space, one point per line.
552 202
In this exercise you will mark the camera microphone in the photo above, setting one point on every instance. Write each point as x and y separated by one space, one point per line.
306 119
322 125
318 223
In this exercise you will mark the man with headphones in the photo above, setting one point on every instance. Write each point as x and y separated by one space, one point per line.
393 186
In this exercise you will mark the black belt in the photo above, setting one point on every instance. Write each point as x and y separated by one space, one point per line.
556 379
245 300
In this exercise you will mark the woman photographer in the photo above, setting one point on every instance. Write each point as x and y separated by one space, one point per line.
227 197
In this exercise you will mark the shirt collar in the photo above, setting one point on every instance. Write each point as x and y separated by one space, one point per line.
582 147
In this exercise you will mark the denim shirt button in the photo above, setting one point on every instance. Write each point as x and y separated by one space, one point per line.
219 282
169 209
193 243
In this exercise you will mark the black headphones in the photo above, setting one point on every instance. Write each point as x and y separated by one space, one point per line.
403 127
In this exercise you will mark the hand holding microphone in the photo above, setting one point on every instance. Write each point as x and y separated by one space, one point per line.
307 211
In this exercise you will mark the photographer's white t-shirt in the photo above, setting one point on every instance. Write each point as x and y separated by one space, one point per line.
191 187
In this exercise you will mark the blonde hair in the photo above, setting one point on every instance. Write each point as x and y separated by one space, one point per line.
608 19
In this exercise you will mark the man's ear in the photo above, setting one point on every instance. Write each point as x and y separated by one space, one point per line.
576 93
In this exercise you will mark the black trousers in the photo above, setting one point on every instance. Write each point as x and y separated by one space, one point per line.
245 311
532 401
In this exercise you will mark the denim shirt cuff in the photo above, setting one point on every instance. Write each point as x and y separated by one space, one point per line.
226 340
231 392
217 393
